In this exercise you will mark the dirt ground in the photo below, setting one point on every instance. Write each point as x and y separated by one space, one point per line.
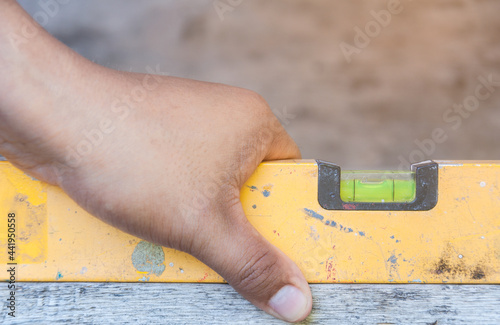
416 86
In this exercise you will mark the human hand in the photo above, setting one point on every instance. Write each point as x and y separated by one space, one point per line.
159 157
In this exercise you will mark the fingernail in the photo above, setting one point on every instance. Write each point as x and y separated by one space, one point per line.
289 302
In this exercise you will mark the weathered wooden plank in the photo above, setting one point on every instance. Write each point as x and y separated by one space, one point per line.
189 303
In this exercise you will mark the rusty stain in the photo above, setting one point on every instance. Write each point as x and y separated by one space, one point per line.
443 266
478 273
447 266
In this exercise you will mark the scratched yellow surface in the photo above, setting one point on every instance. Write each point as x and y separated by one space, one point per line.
456 242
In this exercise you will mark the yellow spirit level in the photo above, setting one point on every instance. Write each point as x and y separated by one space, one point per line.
437 223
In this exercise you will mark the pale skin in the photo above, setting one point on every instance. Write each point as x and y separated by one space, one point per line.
173 155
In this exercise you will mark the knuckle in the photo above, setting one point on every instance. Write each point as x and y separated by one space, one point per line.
253 96
259 105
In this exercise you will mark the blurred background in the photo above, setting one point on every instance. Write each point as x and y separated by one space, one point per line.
365 84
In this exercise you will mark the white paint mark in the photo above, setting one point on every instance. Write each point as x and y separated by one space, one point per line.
482 237
171 264
482 184
460 256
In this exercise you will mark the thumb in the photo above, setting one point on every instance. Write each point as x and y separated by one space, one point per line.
260 272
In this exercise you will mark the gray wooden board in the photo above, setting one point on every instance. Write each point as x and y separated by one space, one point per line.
190 303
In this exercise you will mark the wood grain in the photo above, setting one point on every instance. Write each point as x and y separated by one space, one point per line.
189 303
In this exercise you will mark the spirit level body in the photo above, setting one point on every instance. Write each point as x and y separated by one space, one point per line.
456 241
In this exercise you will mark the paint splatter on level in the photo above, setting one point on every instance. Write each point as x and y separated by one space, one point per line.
148 257
266 190
393 259
313 214
331 272
205 276
332 223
